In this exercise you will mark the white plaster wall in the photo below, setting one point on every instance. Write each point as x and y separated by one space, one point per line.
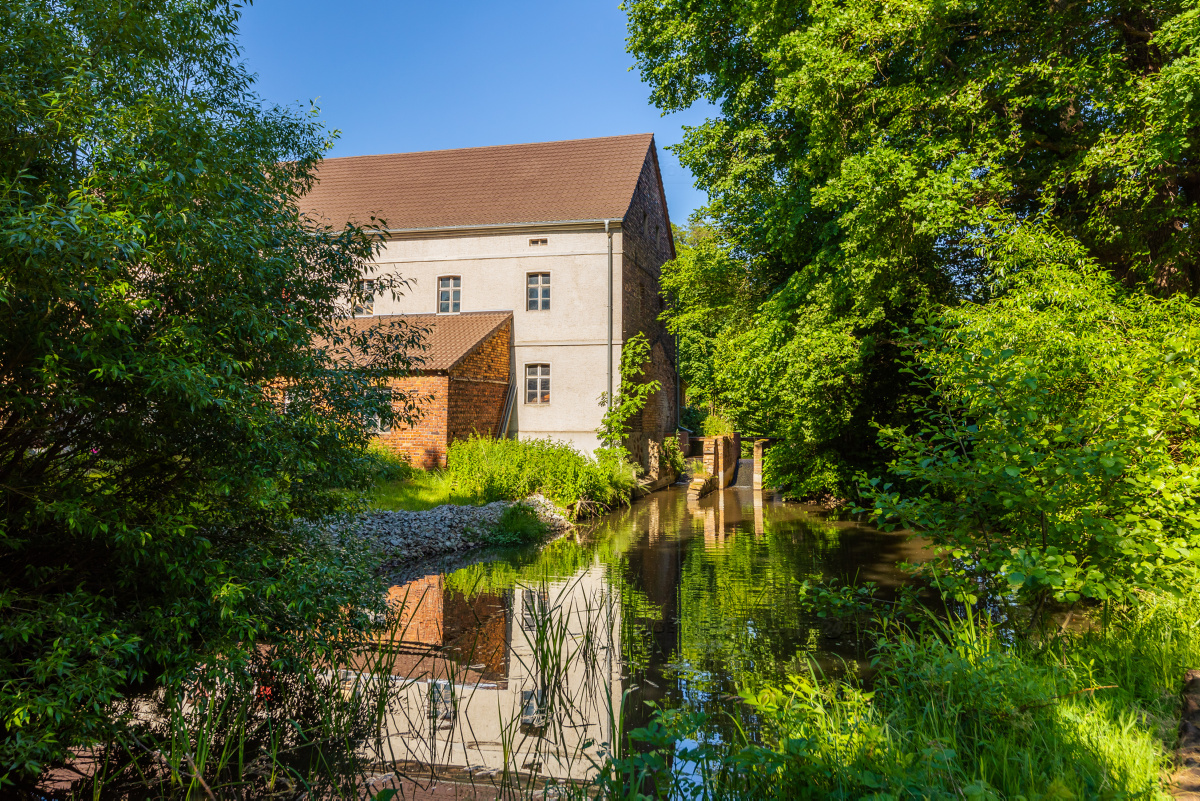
571 336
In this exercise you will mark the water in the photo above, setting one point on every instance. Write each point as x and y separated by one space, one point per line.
534 664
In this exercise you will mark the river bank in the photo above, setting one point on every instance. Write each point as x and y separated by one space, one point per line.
399 537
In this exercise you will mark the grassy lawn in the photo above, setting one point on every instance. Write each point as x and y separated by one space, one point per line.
423 490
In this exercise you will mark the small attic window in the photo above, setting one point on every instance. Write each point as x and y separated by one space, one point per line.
537 242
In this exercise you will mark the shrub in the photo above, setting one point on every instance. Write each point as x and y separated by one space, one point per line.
672 456
1057 446
387 466
519 525
505 469
181 373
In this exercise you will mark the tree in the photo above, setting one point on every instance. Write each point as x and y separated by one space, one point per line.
1057 450
179 380
862 152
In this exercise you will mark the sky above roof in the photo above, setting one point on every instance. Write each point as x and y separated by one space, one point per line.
404 76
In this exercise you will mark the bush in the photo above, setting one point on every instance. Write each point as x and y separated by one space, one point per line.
1057 448
387 466
672 456
519 525
182 375
508 470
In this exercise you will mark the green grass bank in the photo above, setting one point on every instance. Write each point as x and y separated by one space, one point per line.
482 470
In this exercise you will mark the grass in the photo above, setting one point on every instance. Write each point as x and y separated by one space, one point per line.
420 491
506 469
957 710
482 470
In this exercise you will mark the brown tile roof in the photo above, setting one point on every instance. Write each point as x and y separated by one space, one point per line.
449 338
581 179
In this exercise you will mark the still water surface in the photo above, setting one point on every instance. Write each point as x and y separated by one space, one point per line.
538 661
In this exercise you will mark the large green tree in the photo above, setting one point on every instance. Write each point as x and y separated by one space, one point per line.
862 152
176 383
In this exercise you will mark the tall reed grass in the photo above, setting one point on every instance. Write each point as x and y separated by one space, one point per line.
956 710
506 469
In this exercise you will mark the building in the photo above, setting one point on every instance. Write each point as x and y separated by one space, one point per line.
564 240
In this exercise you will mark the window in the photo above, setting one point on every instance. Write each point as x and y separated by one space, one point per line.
537 242
380 425
533 608
533 712
449 294
537 383
537 292
441 703
364 300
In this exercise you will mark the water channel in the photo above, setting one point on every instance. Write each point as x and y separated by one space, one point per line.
537 662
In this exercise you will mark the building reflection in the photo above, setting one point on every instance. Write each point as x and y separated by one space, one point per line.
674 603
527 679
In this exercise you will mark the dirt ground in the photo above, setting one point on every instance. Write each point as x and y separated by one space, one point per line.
1186 784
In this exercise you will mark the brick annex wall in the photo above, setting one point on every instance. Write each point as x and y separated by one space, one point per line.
470 399
646 245
479 387
424 445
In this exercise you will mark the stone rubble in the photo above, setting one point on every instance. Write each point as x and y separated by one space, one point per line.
401 537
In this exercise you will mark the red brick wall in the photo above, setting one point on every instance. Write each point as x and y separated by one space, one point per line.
489 360
424 445
479 387
470 399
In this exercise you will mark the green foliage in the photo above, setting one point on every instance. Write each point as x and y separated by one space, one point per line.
860 152
714 426
955 711
672 456
805 474
519 525
1058 447
507 469
422 490
387 466
176 376
632 395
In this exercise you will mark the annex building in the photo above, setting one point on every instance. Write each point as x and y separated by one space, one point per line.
528 266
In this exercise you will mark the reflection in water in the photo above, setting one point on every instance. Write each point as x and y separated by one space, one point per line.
530 665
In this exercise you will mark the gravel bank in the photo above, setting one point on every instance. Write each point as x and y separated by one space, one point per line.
401 537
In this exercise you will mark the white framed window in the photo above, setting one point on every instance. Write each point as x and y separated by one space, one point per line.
538 242
537 383
537 292
449 294
379 425
364 301
533 608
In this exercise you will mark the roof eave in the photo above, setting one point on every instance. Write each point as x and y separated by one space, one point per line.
612 221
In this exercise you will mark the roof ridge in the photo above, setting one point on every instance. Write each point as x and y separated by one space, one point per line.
500 185
489 147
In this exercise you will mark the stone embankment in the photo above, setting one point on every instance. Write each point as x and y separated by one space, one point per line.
400 537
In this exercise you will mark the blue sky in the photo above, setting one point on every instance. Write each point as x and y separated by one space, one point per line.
405 76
